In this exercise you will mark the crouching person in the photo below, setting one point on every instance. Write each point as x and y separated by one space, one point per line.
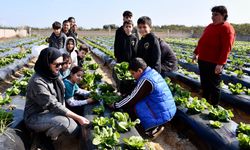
72 89
151 99
45 109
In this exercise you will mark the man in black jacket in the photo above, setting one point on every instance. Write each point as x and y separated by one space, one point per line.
126 50
120 33
148 46
66 30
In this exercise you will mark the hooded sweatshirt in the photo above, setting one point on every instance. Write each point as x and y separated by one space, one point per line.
73 53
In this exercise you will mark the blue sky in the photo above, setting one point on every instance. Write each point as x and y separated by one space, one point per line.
96 13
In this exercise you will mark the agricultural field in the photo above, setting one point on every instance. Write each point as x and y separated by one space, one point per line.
185 84
197 124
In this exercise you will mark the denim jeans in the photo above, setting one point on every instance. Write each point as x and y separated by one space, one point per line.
52 124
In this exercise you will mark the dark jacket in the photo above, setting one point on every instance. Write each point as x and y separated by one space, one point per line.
41 97
80 61
149 50
57 41
168 58
125 46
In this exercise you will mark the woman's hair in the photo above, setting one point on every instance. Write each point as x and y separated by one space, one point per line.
136 64
222 10
66 58
76 69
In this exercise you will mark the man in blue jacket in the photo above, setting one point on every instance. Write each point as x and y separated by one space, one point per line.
151 99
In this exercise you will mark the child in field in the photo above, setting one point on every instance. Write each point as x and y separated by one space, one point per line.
72 89
57 38
148 46
151 99
70 49
127 44
120 33
81 53
65 70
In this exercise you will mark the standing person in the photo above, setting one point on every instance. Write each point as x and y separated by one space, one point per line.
151 99
45 109
73 26
126 48
67 30
120 34
168 59
74 30
212 52
70 49
148 46
72 21
57 38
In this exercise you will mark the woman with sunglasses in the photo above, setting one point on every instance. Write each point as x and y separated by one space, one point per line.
45 109
212 52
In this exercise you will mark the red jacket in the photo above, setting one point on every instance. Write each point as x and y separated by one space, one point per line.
216 43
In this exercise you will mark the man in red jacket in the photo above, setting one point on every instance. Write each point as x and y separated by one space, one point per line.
212 52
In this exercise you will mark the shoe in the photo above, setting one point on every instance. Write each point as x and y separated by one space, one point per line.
153 134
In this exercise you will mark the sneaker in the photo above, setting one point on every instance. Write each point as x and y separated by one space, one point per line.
153 134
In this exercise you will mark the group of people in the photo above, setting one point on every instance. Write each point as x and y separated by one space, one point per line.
131 42
50 105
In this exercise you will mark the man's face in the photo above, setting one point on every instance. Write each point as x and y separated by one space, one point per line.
66 27
136 74
74 27
128 28
144 29
72 22
127 18
57 31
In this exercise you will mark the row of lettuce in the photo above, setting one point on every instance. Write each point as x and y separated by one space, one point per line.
217 115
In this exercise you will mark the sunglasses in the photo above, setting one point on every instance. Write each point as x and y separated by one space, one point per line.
58 64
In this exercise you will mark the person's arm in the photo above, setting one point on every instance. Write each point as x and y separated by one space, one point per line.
81 120
82 92
73 102
156 56
135 48
227 43
143 89
116 44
